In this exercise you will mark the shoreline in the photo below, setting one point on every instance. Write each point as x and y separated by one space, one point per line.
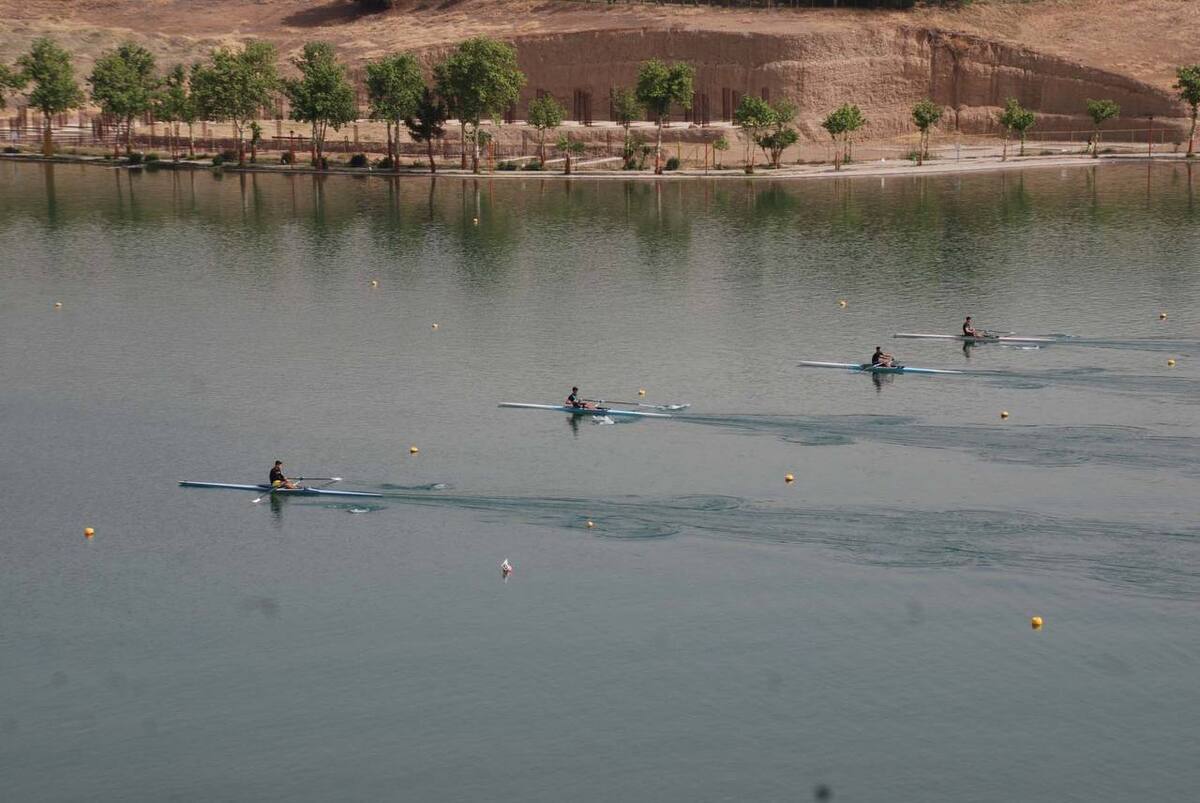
883 169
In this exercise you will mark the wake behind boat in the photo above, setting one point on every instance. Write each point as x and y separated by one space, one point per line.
867 368
1013 339
267 489
592 411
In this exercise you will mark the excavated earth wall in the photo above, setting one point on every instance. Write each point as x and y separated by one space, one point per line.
883 70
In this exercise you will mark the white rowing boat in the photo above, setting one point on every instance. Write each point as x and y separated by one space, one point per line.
867 368
263 489
1016 340
593 411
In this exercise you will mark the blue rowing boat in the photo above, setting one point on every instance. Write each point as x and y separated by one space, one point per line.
262 489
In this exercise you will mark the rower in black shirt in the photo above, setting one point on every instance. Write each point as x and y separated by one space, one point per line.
881 358
574 401
278 480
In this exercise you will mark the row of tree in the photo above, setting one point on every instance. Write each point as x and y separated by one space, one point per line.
474 84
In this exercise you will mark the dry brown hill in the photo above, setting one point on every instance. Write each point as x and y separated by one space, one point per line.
1051 53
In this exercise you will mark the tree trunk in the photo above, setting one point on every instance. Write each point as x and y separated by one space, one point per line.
191 143
129 136
475 148
542 147
47 139
238 131
1022 151
462 129
1096 144
658 150
1004 151
567 170
1192 134
429 149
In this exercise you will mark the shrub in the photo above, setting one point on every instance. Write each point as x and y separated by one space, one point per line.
287 158
507 166
218 160
385 163
534 164
321 163
913 156
152 157
11 149
229 155
134 158
359 160
672 163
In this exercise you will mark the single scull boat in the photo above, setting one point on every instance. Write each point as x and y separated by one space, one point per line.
867 368
596 411
281 491
1016 340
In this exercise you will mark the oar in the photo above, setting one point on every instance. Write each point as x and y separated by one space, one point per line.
641 404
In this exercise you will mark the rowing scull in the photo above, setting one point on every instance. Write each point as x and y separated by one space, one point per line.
280 491
595 411
987 339
877 369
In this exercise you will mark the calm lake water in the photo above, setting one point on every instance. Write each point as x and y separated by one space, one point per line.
719 634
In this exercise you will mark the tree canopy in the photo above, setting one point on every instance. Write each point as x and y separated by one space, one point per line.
626 107
235 85
427 122
478 81
9 80
659 85
125 85
1016 117
1187 84
544 113
48 67
321 96
925 114
841 123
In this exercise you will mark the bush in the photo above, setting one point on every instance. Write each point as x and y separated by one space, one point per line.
359 160
134 158
11 149
321 163
287 158
385 163
218 160
507 166
672 163
229 155
535 164
151 157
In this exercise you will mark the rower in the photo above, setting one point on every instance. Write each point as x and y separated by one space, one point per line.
278 480
969 329
574 401
881 358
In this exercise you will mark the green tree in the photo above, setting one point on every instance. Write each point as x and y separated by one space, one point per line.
1187 84
841 123
659 85
1015 117
125 86
428 123
545 114
569 148
321 96
478 81
394 86
1099 111
174 105
754 116
235 85
55 90
720 145
925 114
10 81
626 108
779 134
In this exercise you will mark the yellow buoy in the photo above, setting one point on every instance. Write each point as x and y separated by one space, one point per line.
475 220
88 532
58 305
1036 623
641 391
842 303
433 327
1171 362
788 478
591 524
1162 316
413 450
374 283
1004 413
